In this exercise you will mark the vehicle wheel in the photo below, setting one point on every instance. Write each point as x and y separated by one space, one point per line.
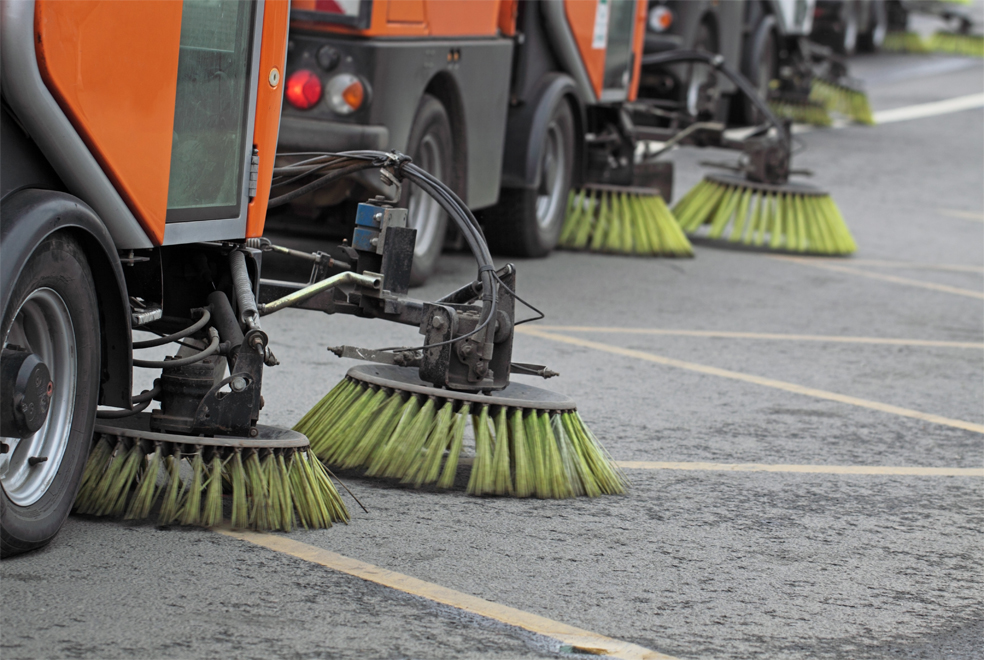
527 222
847 43
52 315
761 69
700 77
872 40
432 148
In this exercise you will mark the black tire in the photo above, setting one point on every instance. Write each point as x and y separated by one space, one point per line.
31 514
527 222
872 39
431 146
761 68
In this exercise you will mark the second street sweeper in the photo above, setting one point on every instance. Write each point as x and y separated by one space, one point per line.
138 154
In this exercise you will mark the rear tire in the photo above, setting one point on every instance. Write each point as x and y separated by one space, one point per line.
527 222
431 147
52 312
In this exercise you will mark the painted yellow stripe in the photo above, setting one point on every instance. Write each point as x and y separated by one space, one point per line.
582 640
908 265
757 380
885 278
809 469
964 215
764 335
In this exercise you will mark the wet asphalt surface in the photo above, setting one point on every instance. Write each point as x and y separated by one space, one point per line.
694 564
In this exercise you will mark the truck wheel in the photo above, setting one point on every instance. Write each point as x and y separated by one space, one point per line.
847 41
527 221
432 148
50 381
761 67
872 39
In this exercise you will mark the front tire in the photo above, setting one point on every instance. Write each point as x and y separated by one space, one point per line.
52 313
431 146
527 222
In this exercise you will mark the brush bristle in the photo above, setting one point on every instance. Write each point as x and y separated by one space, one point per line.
958 44
518 452
622 223
842 100
271 489
787 221
801 112
904 42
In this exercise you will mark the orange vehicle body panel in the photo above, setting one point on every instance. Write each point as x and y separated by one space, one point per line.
113 68
581 18
638 44
441 18
273 53
507 17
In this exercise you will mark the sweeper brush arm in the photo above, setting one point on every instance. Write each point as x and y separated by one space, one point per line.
468 333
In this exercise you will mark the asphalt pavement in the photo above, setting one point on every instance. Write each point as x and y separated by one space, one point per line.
781 505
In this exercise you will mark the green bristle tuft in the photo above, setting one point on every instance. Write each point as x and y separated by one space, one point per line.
190 512
801 111
172 496
259 494
567 456
337 512
237 476
92 501
957 43
525 482
501 465
849 102
379 460
404 455
904 42
797 222
212 510
119 493
534 444
99 459
622 222
454 451
430 468
480 481
281 477
385 420
147 491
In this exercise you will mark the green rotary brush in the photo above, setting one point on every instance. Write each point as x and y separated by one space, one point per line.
271 481
905 42
791 217
622 220
957 43
800 111
527 442
843 99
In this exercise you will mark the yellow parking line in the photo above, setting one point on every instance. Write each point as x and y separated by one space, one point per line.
810 469
964 215
757 380
581 640
909 265
885 278
765 335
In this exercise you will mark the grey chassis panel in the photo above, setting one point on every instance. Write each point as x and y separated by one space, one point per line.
26 94
398 72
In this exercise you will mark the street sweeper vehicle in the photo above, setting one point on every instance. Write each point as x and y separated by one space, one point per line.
138 151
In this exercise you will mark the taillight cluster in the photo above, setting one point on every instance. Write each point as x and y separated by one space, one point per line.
344 92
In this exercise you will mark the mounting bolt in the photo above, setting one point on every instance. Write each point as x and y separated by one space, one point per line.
467 350
437 322
238 384
253 432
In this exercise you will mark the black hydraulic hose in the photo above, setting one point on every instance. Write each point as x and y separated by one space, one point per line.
225 319
213 346
119 414
318 183
717 61
180 334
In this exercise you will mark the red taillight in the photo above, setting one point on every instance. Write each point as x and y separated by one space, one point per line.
303 89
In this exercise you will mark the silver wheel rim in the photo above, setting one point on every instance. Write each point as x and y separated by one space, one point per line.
43 325
552 167
424 211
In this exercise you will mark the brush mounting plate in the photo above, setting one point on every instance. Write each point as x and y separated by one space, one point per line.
788 187
138 427
515 395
